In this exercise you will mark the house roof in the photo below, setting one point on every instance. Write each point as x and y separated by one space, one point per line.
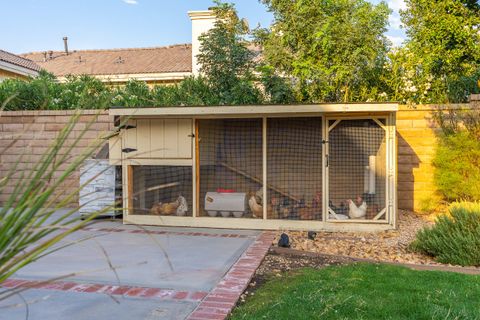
174 58
18 61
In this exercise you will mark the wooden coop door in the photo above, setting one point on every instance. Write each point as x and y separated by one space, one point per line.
159 139
356 169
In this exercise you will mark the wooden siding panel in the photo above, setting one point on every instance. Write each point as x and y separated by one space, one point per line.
143 138
171 138
184 137
157 134
115 150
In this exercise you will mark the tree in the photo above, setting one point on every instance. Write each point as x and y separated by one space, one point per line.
226 61
231 67
444 45
334 49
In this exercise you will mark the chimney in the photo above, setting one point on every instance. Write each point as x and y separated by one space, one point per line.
202 21
65 44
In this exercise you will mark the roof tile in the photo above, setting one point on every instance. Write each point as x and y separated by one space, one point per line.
18 60
174 58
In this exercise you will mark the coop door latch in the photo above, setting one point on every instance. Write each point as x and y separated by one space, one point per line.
128 150
326 156
127 126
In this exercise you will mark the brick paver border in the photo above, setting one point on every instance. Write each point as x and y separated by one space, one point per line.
173 233
130 291
216 304
222 299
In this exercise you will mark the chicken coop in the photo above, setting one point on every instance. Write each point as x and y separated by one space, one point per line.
315 167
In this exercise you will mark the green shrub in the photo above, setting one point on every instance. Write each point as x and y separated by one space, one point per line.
457 167
455 237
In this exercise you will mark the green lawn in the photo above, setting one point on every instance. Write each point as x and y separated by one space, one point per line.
365 291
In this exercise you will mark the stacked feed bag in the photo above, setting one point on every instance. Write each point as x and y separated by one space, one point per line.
99 190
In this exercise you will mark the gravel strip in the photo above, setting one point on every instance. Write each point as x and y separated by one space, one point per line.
389 245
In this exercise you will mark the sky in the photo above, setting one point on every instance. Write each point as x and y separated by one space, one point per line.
40 25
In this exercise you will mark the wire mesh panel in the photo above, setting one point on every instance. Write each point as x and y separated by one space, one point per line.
230 168
294 168
356 170
162 190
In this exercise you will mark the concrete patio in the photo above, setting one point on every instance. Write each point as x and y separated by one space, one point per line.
158 273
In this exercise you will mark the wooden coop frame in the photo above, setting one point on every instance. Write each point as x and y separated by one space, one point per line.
176 131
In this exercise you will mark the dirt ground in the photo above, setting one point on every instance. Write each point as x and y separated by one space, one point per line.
389 245
275 264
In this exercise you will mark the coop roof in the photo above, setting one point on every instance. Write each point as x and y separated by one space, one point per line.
257 109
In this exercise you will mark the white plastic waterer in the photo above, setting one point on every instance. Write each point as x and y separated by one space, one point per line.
369 175
226 203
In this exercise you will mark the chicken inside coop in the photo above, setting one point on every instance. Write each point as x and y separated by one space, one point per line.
162 190
357 166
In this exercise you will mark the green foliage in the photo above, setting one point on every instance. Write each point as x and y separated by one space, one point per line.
334 49
135 93
226 62
37 93
364 291
442 53
457 158
457 167
455 238
456 120
81 92
337 50
276 88
44 92
87 92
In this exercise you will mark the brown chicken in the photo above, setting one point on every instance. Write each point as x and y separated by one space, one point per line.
156 208
273 209
306 213
165 208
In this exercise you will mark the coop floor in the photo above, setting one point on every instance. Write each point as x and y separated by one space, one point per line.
159 275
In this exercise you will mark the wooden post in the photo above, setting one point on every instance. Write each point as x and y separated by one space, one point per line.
197 171
130 189
325 195
264 162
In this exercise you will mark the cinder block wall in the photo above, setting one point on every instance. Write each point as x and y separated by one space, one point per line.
417 136
416 133
26 135
417 140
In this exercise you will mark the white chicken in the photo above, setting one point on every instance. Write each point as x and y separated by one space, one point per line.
183 206
357 209
257 210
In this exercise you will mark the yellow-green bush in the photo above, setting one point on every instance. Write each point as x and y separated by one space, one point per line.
457 167
455 237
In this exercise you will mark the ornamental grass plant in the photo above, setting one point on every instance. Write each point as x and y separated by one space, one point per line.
455 236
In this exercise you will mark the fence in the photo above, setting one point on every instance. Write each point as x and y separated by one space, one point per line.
416 134
26 135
